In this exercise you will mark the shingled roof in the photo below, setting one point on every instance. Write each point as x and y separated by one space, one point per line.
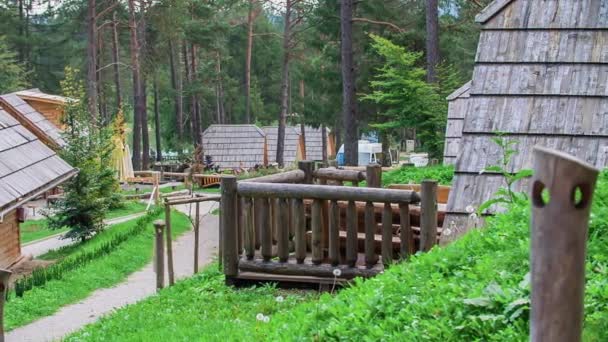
37 94
314 143
27 116
234 146
292 150
27 166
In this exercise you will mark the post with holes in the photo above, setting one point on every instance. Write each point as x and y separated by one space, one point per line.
559 235
4 276
159 253
373 176
228 217
428 215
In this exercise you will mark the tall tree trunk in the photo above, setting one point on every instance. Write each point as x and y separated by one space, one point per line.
218 110
221 111
338 133
137 90
250 23
187 80
432 40
103 109
21 32
196 127
176 83
116 60
386 156
159 155
349 105
303 120
284 85
145 136
324 143
92 59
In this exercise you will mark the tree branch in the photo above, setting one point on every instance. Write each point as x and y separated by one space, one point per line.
384 23
108 9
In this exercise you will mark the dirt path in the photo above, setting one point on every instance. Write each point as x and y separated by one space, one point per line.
39 247
138 285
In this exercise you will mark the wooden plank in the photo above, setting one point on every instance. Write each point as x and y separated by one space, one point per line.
159 253
370 226
249 226
315 222
266 232
334 233
169 245
428 217
283 230
228 217
387 234
405 232
307 269
351 231
300 229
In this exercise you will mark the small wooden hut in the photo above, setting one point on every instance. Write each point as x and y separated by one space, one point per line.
294 149
235 146
541 77
32 120
28 168
314 143
50 106
457 102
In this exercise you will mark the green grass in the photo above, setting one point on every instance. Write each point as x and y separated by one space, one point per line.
32 230
104 272
201 308
163 190
475 289
415 175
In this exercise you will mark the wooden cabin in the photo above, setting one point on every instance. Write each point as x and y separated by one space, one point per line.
28 168
457 102
235 146
314 143
294 148
50 106
32 120
541 77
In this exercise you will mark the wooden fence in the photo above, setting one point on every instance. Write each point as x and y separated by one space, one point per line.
284 225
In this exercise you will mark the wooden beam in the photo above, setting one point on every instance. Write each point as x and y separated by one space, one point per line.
306 269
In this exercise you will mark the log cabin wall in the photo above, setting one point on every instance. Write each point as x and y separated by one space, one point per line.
541 77
10 249
457 102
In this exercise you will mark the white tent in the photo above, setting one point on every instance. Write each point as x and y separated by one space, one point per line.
368 152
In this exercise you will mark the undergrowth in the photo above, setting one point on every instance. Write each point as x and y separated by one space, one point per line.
415 175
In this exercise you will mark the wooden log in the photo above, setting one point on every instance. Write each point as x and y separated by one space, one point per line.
559 235
373 175
308 167
334 233
169 245
326 192
339 175
273 214
196 236
240 224
322 270
387 234
406 235
159 253
228 217
249 228
351 234
294 176
266 233
299 221
4 278
428 215
315 223
283 230
258 221
190 200
370 227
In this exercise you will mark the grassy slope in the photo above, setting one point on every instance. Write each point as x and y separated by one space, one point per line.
32 230
101 273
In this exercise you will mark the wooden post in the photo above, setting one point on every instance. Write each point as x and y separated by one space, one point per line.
308 167
156 185
196 236
4 277
406 236
373 176
387 234
315 222
169 245
559 235
266 234
334 233
370 227
282 227
228 217
249 229
351 234
299 221
159 253
428 215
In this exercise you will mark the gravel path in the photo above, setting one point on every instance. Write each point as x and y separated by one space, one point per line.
37 248
138 285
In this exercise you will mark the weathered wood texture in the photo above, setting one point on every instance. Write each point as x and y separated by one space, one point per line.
292 150
457 107
235 146
541 77
229 233
10 250
558 240
159 253
4 277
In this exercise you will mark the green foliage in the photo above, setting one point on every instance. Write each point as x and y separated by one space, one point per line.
405 98
505 195
94 189
13 75
415 175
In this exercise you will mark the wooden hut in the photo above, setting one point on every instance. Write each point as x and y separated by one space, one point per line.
314 143
32 120
28 168
235 146
453 133
294 149
50 106
541 77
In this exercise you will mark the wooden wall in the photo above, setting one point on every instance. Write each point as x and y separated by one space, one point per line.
457 108
541 77
10 249
53 112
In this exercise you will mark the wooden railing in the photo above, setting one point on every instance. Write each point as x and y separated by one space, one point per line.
285 225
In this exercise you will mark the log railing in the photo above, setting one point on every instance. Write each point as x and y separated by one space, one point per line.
280 226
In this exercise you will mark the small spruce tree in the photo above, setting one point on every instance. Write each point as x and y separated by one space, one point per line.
88 147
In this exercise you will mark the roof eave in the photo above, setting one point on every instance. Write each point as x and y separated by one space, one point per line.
458 92
491 10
